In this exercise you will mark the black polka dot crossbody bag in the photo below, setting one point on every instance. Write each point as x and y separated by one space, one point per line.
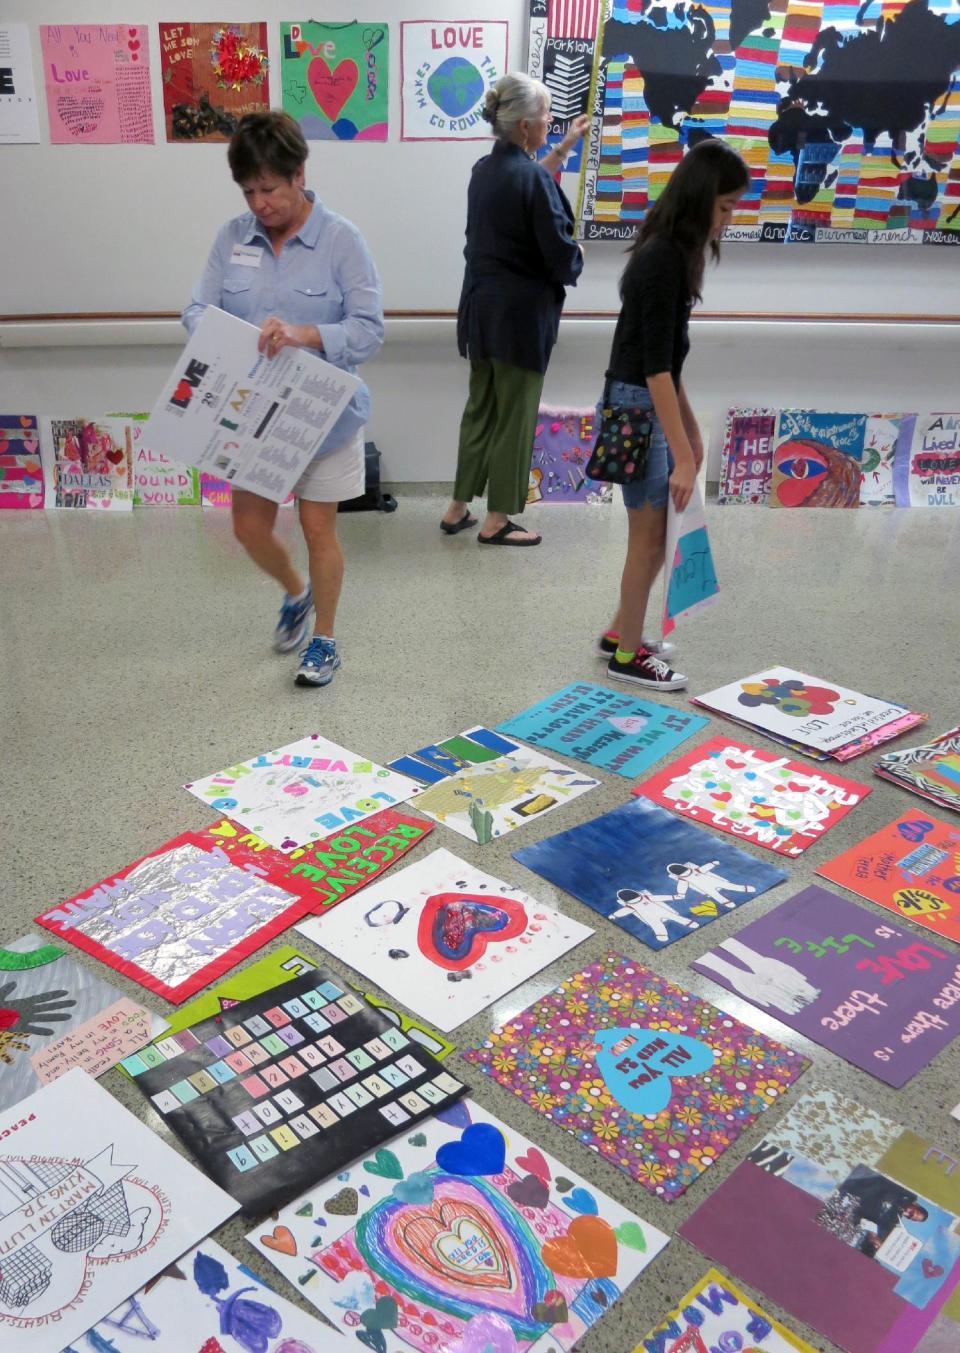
623 440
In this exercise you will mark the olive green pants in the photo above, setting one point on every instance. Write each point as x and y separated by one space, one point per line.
496 435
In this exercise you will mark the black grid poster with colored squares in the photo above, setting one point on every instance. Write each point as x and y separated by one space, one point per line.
289 1087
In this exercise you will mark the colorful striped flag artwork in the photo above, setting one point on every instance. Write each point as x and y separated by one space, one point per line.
847 114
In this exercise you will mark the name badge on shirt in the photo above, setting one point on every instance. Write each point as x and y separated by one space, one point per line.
247 255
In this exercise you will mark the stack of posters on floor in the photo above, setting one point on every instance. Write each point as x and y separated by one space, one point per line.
757 796
283 965
287 1087
213 73
57 1015
931 770
322 872
21 473
207 1301
562 445
599 1055
869 992
808 716
654 876
603 727
334 79
928 475
302 792
716 1315
446 939
747 456
689 578
483 785
816 459
88 463
911 868
849 1222
177 919
463 1237
92 1206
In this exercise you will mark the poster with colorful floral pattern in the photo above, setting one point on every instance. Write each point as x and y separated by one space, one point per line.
599 1054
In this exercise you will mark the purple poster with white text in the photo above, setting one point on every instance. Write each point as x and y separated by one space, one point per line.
876 995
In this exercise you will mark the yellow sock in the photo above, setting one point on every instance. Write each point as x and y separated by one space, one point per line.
621 656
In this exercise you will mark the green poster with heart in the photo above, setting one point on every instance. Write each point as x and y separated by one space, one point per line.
334 79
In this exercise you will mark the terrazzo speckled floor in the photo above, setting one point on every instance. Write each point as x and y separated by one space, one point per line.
134 654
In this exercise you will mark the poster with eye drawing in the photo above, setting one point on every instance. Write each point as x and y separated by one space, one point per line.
444 938
92 1205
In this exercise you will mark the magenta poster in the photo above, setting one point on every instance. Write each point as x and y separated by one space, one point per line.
876 995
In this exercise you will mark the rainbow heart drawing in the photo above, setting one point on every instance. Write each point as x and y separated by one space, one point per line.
469 1253
456 928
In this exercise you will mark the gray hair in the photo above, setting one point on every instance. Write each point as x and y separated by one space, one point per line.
514 97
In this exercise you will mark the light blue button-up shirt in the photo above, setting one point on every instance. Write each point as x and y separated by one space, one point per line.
324 276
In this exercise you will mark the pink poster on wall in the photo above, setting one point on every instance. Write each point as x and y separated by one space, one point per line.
98 83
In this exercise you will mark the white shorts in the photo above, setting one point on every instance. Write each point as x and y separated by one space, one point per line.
335 477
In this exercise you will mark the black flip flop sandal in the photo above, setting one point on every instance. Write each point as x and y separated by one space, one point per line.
465 522
502 537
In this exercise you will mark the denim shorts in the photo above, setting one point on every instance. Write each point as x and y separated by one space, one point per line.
653 489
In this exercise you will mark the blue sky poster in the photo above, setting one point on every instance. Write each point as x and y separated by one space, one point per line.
604 727
652 874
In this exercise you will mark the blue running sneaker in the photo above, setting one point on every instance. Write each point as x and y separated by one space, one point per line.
318 662
292 625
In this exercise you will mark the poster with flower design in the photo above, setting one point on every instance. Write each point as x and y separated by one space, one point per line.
653 1078
213 73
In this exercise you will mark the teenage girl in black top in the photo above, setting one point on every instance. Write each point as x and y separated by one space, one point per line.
660 283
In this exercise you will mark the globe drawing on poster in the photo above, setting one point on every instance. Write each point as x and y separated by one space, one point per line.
848 116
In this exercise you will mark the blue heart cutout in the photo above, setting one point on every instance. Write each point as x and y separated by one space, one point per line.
416 1189
480 1150
582 1201
637 1065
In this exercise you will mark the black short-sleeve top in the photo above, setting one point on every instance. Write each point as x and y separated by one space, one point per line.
652 331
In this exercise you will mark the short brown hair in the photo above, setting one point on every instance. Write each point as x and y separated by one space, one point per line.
270 141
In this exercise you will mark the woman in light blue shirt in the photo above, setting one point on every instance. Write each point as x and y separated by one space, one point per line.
306 278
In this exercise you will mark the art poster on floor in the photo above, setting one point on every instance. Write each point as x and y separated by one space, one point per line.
334 79
931 770
689 576
715 1314
603 727
928 473
446 939
757 796
464 1236
213 73
887 440
871 993
98 83
910 867
302 792
562 444
847 1220
215 492
159 481
654 1079
446 68
177 919
288 1087
799 709
483 785
204 1298
19 122
92 1206
651 874
323 872
746 467
56 1014
87 463
21 471
817 459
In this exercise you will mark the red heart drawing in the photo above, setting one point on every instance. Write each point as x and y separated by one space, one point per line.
534 1163
332 88
721 798
115 457
132 32
931 1270
735 765
4 446
134 44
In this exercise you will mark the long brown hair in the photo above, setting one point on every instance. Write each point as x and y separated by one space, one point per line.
684 210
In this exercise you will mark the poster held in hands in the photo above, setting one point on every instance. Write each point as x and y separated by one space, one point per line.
690 580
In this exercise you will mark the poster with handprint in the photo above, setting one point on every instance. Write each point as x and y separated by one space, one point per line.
56 1014
334 79
870 992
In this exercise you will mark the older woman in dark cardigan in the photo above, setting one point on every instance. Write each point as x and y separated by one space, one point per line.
521 255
